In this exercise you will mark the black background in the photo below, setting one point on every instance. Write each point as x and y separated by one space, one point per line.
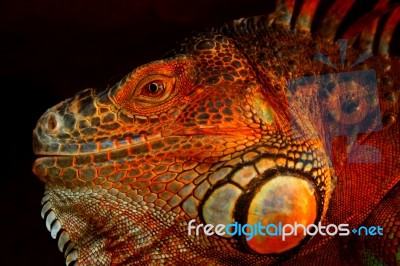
49 50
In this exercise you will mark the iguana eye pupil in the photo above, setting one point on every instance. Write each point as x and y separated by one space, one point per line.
154 87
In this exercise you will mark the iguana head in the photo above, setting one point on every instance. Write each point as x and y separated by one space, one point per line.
198 136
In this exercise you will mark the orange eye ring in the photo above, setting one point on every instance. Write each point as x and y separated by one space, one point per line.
154 89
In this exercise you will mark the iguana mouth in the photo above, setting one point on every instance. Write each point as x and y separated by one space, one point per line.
47 145
49 165
58 232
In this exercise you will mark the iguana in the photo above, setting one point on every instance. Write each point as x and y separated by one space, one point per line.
267 120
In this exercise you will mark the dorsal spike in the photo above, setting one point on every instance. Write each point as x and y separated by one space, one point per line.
284 12
387 33
364 23
306 15
367 36
334 17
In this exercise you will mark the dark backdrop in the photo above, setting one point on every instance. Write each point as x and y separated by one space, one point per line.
49 50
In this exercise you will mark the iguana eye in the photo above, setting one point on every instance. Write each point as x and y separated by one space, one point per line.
154 88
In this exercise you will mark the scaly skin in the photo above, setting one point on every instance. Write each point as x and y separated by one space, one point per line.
208 134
